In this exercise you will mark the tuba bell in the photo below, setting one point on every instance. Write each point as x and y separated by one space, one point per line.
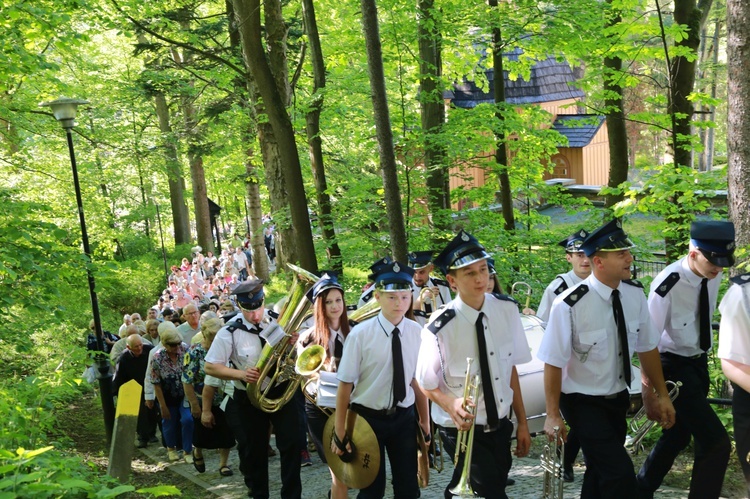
276 363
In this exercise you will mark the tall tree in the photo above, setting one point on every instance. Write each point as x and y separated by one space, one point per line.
312 118
248 14
432 112
738 133
617 133
388 168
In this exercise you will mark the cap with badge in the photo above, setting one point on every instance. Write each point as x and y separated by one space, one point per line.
715 239
572 243
491 266
420 259
608 237
326 282
394 276
375 267
249 294
462 251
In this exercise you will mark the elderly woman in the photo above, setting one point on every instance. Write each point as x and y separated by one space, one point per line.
219 436
166 376
152 332
330 331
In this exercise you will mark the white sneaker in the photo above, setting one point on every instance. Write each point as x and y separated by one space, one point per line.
188 459
173 455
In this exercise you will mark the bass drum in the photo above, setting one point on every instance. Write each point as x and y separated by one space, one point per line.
531 378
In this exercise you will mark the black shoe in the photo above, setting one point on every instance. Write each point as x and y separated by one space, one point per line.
142 444
568 475
153 440
509 481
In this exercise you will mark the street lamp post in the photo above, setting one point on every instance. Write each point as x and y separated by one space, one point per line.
64 111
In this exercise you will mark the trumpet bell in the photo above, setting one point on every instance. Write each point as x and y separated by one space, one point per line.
310 360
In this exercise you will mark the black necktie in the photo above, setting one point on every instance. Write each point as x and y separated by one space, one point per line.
484 369
622 335
338 348
399 385
705 317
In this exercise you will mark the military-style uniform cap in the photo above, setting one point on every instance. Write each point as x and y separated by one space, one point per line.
375 267
462 251
572 243
608 237
420 259
715 239
327 281
491 266
394 276
249 294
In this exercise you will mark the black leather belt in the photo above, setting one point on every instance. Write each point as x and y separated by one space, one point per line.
375 413
678 356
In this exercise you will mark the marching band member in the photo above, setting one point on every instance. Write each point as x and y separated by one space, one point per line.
486 327
592 330
682 301
580 271
239 341
734 352
426 289
369 291
382 352
330 330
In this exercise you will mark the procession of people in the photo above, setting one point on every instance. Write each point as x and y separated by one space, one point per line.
437 359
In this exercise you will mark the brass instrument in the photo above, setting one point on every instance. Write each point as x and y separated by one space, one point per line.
465 439
552 464
366 311
640 428
433 299
308 363
276 363
528 291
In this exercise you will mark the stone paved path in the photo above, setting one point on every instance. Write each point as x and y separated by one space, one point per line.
316 479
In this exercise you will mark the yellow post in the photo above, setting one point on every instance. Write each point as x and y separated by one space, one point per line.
123 435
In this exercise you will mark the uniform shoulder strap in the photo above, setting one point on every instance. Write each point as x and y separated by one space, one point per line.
633 282
501 296
421 313
441 320
741 279
562 287
440 282
273 315
234 325
576 295
667 284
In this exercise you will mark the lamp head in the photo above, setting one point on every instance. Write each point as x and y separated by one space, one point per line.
64 110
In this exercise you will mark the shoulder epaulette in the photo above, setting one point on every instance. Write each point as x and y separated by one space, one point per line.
351 308
501 296
576 295
273 315
562 287
441 320
741 279
440 282
366 297
634 282
420 313
232 326
667 284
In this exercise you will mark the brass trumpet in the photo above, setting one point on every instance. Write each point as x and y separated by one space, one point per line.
640 428
465 439
433 299
528 291
552 464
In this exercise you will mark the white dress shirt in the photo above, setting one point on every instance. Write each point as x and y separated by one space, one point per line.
734 330
570 279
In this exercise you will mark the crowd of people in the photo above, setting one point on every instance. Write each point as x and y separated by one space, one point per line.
405 369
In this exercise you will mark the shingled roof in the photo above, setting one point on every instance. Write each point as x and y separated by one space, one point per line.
578 128
551 80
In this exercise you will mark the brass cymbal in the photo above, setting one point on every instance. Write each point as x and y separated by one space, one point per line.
361 471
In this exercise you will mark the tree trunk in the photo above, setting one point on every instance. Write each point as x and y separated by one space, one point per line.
388 168
248 14
312 118
501 151
432 109
617 133
738 132
180 216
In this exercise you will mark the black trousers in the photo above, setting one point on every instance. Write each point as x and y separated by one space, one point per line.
490 460
250 428
696 418
316 423
741 414
600 424
397 434
148 419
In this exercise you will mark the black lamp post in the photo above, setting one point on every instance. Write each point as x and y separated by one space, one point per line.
64 111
